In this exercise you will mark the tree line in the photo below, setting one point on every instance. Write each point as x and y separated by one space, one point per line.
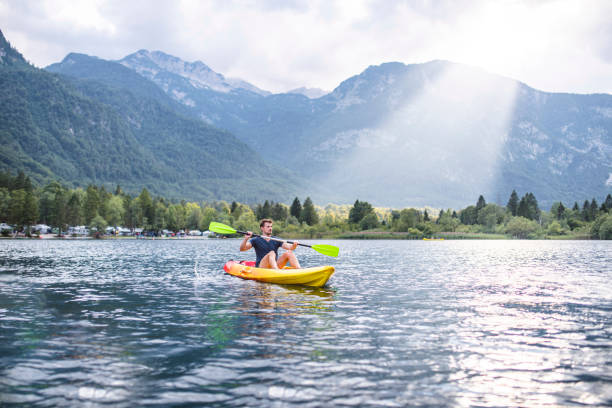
22 205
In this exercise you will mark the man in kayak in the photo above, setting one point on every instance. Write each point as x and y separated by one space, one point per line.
266 249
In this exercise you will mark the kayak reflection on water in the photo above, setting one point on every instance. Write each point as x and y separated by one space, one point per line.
285 300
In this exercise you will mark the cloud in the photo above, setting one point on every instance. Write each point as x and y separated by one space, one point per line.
280 45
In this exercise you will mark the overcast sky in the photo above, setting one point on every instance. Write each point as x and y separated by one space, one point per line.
278 45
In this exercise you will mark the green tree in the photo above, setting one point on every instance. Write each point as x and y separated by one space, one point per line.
279 212
73 209
521 227
480 204
608 203
558 210
161 215
173 221
491 215
528 207
586 211
554 228
446 221
129 218
98 225
46 202
209 215
92 202
309 213
593 210
193 217
30 206
16 205
409 218
469 215
440 215
30 209
602 227
266 210
60 210
359 210
103 197
240 208
6 180
19 183
5 199
263 211
605 229
247 222
135 213
370 221
148 210
513 203
296 208
114 211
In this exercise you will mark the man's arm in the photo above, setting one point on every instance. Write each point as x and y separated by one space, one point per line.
245 245
290 247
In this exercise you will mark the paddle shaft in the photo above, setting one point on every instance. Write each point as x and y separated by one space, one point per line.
274 239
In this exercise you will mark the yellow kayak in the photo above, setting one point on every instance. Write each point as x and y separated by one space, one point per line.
316 276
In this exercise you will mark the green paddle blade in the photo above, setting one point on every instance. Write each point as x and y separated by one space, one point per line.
328 250
221 228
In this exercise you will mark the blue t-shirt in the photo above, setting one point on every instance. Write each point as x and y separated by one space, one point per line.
263 247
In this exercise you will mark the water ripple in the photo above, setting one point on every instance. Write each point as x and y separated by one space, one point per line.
401 323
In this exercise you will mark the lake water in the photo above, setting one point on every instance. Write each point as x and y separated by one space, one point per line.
400 323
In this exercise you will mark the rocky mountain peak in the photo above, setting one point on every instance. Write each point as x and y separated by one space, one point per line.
154 64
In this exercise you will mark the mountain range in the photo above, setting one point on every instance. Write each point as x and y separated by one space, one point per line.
120 129
437 133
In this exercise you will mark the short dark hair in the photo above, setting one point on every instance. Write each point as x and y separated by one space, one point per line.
262 222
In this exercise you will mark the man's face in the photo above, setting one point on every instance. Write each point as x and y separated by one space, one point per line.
266 229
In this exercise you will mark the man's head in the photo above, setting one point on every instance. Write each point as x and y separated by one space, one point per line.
266 226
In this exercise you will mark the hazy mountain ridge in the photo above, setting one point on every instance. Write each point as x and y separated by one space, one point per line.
125 131
437 133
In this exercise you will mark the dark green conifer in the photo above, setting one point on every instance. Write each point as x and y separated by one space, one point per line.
608 203
513 202
586 211
296 208
481 203
309 213
560 211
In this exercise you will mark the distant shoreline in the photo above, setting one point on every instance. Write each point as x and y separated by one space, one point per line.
364 235
80 238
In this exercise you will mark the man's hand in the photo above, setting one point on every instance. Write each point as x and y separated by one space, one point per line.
295 245
245 245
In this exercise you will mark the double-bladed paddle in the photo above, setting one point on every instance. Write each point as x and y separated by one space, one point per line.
328 250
